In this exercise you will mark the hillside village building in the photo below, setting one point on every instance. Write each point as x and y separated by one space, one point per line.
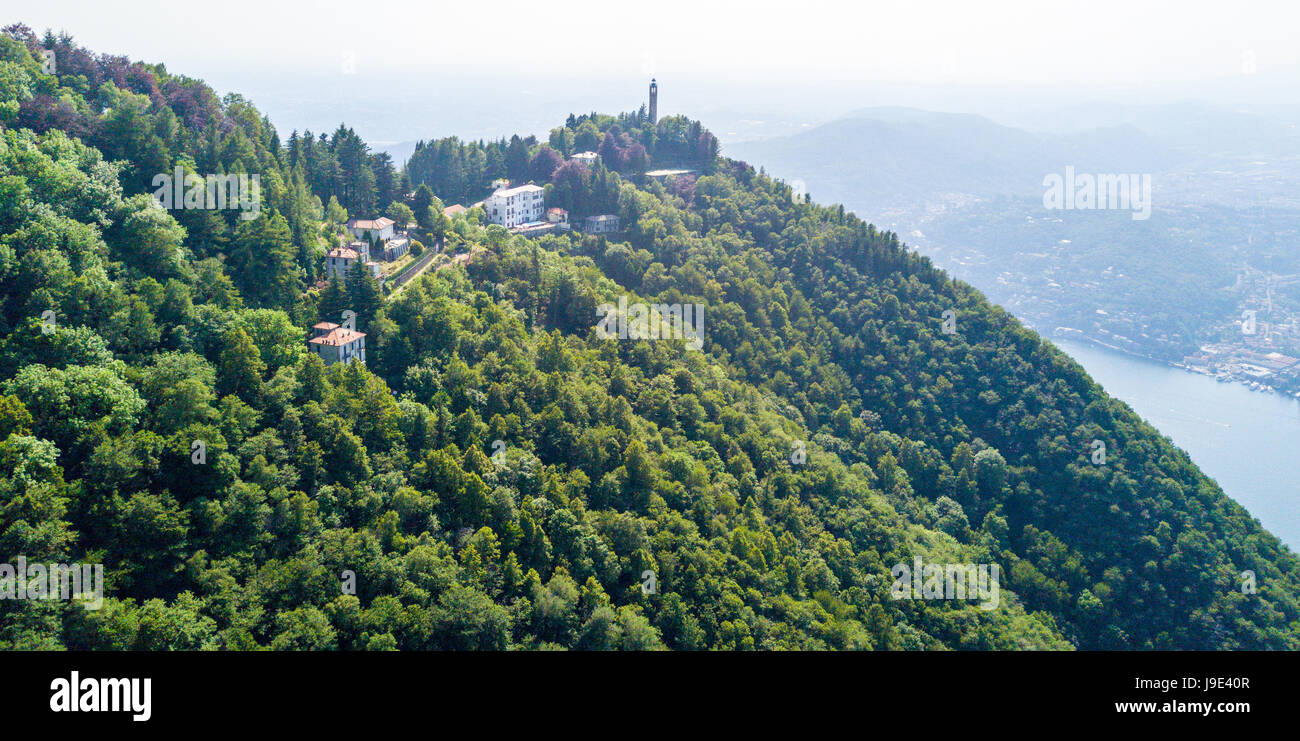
372 229
340 260
394 248
375 241
557 220
335 344
587 158
511 207
362 247
602 224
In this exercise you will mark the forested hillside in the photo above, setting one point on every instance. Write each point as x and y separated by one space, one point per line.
498 475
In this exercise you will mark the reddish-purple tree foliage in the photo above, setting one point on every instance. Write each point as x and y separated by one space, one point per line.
193 103
21 32
706 147
683 186
610 152
544 164
571 172
43 112
635 157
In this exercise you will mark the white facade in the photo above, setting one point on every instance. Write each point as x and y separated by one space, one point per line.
372 229
511 207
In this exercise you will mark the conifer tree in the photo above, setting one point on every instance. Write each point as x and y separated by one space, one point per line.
364 296
333 300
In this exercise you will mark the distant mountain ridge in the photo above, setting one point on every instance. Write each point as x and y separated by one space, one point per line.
875 160
968 192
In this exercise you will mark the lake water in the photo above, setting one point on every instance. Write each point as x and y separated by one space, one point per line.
1247 441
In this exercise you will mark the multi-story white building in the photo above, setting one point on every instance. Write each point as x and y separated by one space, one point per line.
511 207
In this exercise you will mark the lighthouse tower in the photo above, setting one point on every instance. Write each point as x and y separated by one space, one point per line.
654 101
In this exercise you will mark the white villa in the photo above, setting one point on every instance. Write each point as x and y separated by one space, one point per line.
587 158
335 344
511 207
372 229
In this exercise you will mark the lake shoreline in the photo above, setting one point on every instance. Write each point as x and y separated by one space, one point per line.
1077 336
1241 439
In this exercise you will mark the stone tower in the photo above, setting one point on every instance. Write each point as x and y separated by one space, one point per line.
654 101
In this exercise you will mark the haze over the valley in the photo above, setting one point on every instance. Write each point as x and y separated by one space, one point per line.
412 71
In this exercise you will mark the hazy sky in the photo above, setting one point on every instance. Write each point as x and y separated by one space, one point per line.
1005 43
805 60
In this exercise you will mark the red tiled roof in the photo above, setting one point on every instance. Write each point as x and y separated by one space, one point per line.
343 252
454 209
325 326
337 336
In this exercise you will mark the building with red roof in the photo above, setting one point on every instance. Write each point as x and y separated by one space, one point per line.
335 344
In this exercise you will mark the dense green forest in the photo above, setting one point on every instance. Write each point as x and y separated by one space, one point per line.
498 475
